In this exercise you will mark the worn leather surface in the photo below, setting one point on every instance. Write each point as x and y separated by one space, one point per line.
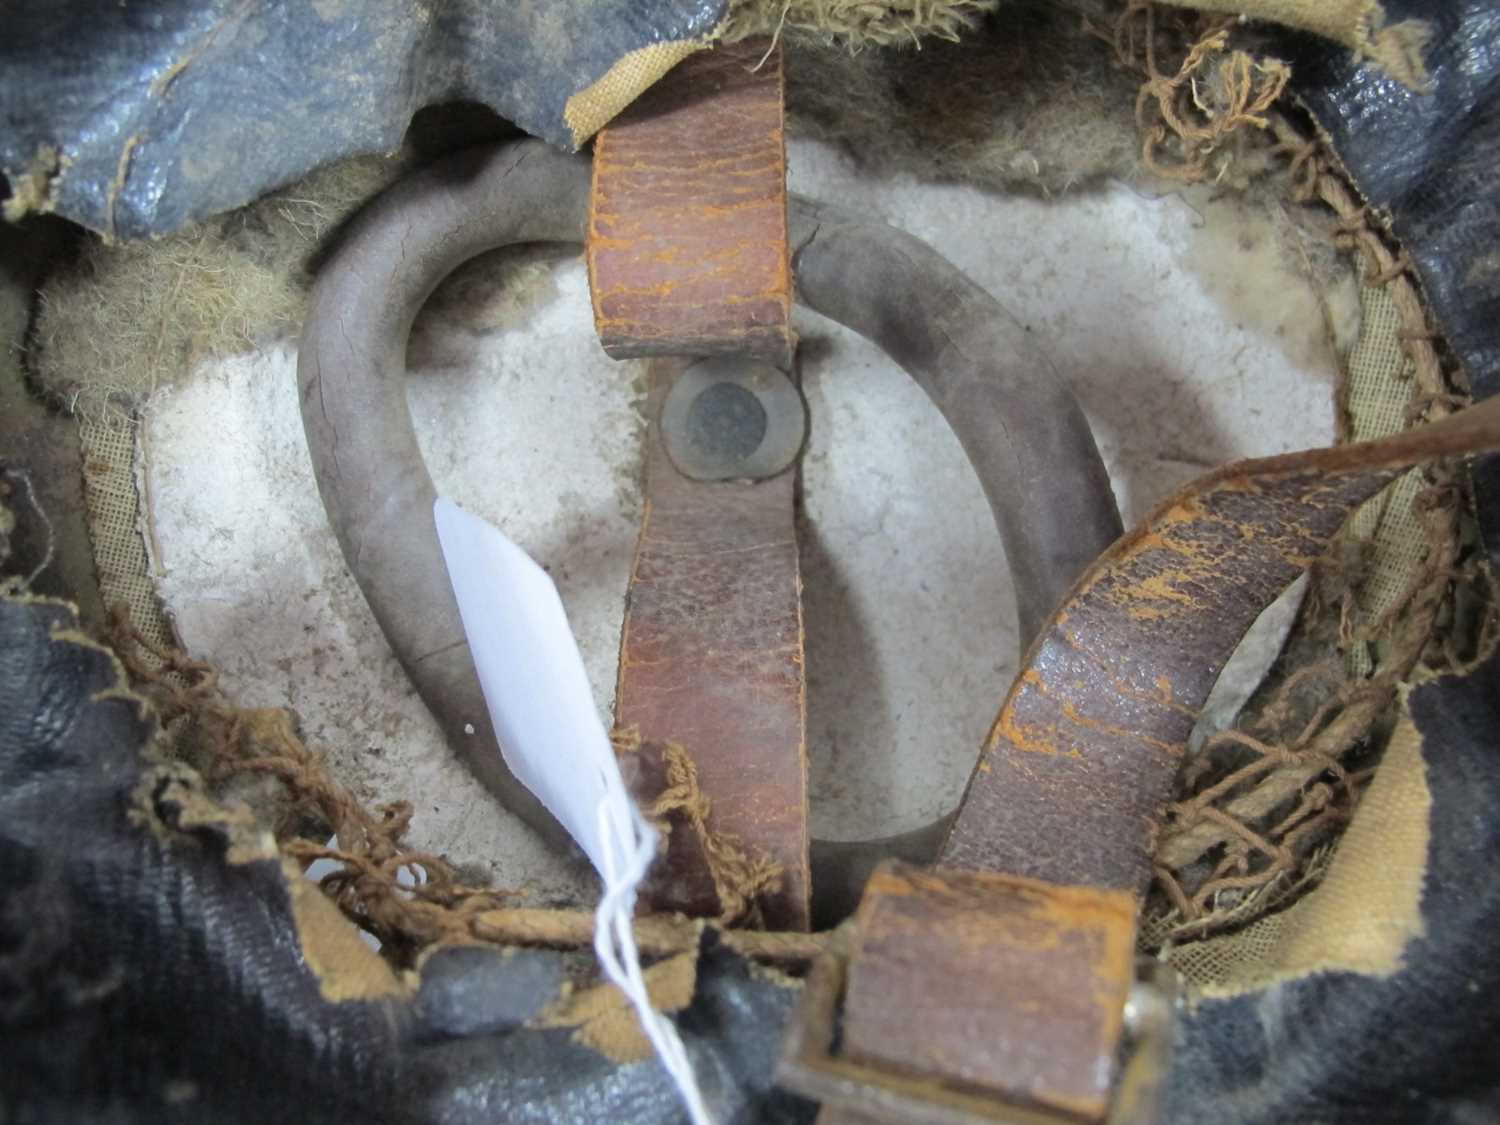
687 245
990 946
151 976
1418 1045
1080 762
711 658
158 114
1426 161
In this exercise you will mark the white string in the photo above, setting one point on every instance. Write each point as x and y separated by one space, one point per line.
539 699
633 844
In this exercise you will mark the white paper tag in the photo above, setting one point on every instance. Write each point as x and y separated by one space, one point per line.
551 737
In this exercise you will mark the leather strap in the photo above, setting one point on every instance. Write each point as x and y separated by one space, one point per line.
711 659
688 255
1081 761
687 241
1063 805
939 954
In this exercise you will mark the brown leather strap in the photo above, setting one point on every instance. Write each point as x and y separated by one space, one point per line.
1080 762
711 660
1068 790
687 242
939 954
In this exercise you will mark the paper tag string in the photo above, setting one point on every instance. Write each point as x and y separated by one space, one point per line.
553 741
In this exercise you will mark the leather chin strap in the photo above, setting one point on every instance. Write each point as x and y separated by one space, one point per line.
711 678
689 256
687 239
1002 973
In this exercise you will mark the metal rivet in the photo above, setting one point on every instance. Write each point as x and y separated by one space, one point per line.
727 418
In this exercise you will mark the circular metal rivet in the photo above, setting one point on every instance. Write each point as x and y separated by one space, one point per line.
727 418
726 422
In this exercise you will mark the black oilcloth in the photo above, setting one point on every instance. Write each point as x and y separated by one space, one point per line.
174 110
145 978
1430 161
1420 1045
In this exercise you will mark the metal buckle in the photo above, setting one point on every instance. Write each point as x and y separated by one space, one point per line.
810 1065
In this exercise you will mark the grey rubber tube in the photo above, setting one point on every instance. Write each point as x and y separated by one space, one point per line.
1012 411
1015 417
352 372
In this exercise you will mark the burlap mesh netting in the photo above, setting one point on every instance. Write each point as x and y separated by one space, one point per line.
1392 547
1361 916
1258 816
1377 404
116 518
